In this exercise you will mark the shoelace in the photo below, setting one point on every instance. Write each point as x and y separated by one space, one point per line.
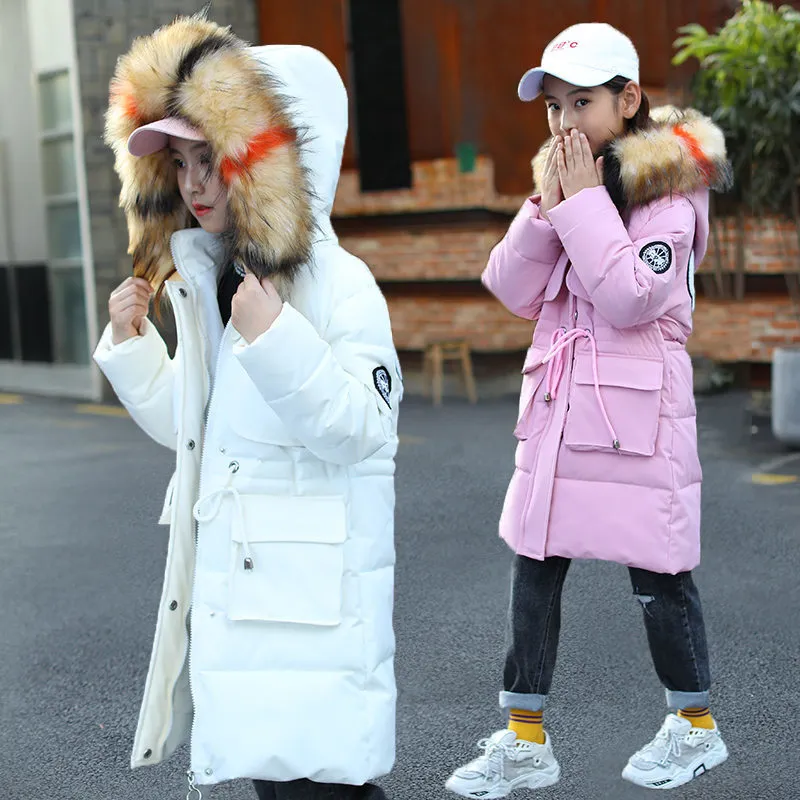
494 753
556 359
240 530
653 752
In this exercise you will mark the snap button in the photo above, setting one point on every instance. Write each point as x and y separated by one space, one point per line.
148 753
234 466
173 605
223 450
182 292
616 444
548 397
190 444
209 771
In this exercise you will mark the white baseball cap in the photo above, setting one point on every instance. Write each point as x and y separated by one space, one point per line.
588 54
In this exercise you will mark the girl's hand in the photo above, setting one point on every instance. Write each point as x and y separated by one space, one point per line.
576 165
551 182
254 307
127 308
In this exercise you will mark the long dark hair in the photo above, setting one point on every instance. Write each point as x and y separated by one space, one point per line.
642 118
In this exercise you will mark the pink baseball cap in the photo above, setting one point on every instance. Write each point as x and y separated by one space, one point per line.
151 138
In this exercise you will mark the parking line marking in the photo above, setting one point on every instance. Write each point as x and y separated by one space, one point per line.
100 410
10 399
771 479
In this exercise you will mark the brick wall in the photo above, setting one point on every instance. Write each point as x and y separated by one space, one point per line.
725 330
771 245
104 29
442 252
427 253
747 330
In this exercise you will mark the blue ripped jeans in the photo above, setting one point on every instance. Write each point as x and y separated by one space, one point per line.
673 618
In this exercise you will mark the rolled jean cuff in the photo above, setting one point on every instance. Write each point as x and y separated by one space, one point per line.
678 700
524 702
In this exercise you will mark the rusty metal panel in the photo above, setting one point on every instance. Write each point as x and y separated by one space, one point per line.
317 23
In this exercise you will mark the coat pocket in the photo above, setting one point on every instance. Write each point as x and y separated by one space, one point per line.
533 373
630 389
287 560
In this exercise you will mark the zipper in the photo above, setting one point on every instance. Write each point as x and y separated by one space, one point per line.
194 792
190 773
222 342
529 497
176 480
568 376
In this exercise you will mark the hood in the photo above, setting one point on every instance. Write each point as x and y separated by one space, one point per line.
681 152
276 119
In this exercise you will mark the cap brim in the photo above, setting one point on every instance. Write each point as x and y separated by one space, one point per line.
530 86
151 138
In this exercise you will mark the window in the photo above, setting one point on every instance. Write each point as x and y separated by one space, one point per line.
59 180
380 106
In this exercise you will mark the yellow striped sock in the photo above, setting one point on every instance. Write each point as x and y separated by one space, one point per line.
699 717
527 725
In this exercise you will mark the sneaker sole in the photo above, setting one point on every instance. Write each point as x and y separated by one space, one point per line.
709 760
543 778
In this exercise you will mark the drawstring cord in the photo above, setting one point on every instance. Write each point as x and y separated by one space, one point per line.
239 527
556 359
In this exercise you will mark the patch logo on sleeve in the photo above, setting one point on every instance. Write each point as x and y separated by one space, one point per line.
383 383
657 256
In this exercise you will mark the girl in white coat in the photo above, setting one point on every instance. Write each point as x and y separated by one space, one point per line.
273 651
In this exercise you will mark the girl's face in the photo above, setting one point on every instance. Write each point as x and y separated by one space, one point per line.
201 188
595 111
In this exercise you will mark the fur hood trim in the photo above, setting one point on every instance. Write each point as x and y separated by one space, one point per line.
680 152
197 70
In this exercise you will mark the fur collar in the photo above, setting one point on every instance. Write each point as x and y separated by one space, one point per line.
200 71
681 152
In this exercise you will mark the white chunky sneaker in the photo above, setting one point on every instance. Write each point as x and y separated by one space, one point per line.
679 753
507 763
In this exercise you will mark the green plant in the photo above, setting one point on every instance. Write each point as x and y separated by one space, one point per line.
748 82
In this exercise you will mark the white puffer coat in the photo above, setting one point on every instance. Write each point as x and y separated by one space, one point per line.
284 479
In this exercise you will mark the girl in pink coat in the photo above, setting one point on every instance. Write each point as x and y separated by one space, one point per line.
606 466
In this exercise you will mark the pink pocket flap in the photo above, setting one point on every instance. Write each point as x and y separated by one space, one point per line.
630 372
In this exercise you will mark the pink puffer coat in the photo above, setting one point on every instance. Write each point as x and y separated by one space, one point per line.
607 464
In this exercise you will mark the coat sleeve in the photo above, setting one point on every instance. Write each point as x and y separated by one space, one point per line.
521 264
337 393
142 375
629 282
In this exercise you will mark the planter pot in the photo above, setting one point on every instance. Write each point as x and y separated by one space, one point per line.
786 396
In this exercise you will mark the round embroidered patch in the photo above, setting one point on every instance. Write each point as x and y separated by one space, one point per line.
657 256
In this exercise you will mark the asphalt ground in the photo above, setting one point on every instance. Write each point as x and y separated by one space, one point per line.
83 560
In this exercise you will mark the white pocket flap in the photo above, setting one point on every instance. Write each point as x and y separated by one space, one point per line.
318 519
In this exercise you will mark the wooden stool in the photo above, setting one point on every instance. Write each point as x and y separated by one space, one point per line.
436 353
